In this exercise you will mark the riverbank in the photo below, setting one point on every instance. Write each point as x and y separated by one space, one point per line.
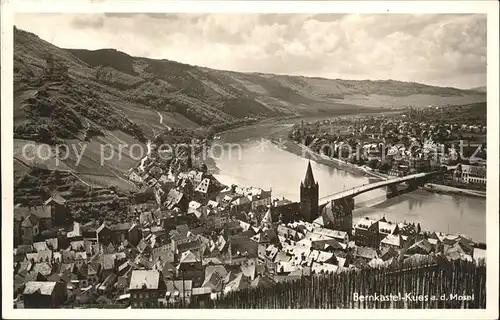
438 188
304 151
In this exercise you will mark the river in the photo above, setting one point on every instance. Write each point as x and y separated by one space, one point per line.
261 164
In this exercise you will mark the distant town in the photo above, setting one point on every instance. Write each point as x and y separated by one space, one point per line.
452 138
187 240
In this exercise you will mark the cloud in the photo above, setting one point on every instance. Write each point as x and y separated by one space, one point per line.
92 22
440 49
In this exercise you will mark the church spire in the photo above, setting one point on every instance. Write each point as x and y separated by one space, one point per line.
309 179
309 191
189 162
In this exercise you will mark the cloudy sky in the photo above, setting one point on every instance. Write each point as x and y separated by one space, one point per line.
445 50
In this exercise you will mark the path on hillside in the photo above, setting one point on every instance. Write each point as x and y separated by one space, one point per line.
161 121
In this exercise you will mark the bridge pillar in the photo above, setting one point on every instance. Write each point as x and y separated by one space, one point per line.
413 184
392 191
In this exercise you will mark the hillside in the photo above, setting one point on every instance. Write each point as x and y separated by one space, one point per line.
101 97
479 89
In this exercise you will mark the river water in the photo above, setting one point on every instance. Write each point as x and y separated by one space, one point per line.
261 164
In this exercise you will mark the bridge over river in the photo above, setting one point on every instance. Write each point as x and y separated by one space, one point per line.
413 180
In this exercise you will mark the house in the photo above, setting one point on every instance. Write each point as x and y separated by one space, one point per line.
76 233
340 236
191 267
30 229
471 174
178 292
367 232
257 196
120 231
202 296
213 281
104 234
420 247
285 209
323 268
134 235
44 294
108 264
107 285
241 204
164 253
240 282
43 213
387 253
206 190
145 287
176 199
58 209
391 240
385 228
217 219
135 177
364 253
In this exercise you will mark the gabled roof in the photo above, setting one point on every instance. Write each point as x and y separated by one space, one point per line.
365 223
230 276
365 252
394 240
30 221
102 227
423 246
57 198
189 257
42 287
262 281
44 268
41 256
219 269
203 186
388 252
42 212
40 246
108 261
267 219
147 279
249 271
238 283
319 221
214 281
120 226
179 285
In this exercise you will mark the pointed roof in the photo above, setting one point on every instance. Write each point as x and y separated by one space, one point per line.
267 218
189 257
309 179
262 281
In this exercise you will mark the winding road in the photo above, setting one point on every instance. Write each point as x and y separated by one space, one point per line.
161 121
148 144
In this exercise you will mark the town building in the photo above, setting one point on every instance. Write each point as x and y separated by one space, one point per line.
44 294
146 286
471 174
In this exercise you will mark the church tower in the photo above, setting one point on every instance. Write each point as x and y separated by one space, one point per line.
189 161
309 196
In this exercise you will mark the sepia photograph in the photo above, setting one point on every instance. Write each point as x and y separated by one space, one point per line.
206 160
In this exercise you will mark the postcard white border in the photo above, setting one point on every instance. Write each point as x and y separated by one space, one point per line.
486 7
